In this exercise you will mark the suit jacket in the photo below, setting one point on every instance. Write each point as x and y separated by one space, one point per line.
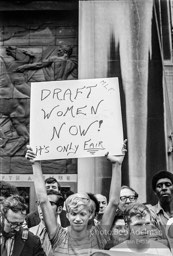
29 247
33 219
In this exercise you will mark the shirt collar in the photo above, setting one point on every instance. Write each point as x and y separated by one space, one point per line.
161 210
41 227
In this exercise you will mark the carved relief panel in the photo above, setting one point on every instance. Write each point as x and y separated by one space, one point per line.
35 46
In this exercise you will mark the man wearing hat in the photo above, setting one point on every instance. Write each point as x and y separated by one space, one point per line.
162 184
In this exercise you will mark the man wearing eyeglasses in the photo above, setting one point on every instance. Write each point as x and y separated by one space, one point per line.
15 240
127 196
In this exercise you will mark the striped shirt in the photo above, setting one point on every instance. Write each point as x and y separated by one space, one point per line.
63 244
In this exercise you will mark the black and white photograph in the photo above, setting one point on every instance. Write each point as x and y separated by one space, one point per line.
86 127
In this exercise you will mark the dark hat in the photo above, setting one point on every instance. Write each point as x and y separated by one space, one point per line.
161 175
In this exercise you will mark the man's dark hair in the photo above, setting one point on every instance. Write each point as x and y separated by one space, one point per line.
161 175
68 193
6 189
92 197
15 203
118 217
59 200
51 180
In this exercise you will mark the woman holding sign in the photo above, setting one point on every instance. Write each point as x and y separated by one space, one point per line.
77 239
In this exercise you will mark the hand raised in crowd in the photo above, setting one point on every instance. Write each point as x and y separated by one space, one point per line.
118 158
30 155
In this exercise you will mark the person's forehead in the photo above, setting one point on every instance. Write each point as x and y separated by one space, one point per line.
81 209
101 198
140 219
120 222
52 184
126 192
163 180
15 216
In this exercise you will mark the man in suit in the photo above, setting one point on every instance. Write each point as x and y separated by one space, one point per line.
15 239
33 218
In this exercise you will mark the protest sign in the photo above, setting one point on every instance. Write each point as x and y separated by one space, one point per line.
76 118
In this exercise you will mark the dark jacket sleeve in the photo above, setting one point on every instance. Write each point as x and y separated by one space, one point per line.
64 221
32 246
38 250
32 219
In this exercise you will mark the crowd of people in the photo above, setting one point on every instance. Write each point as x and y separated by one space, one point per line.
82 223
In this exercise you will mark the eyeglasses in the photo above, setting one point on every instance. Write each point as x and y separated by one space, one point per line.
14 224
131 198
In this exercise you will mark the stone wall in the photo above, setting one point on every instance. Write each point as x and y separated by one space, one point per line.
31 37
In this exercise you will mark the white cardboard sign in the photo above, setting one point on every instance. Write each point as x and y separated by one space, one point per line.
75 118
